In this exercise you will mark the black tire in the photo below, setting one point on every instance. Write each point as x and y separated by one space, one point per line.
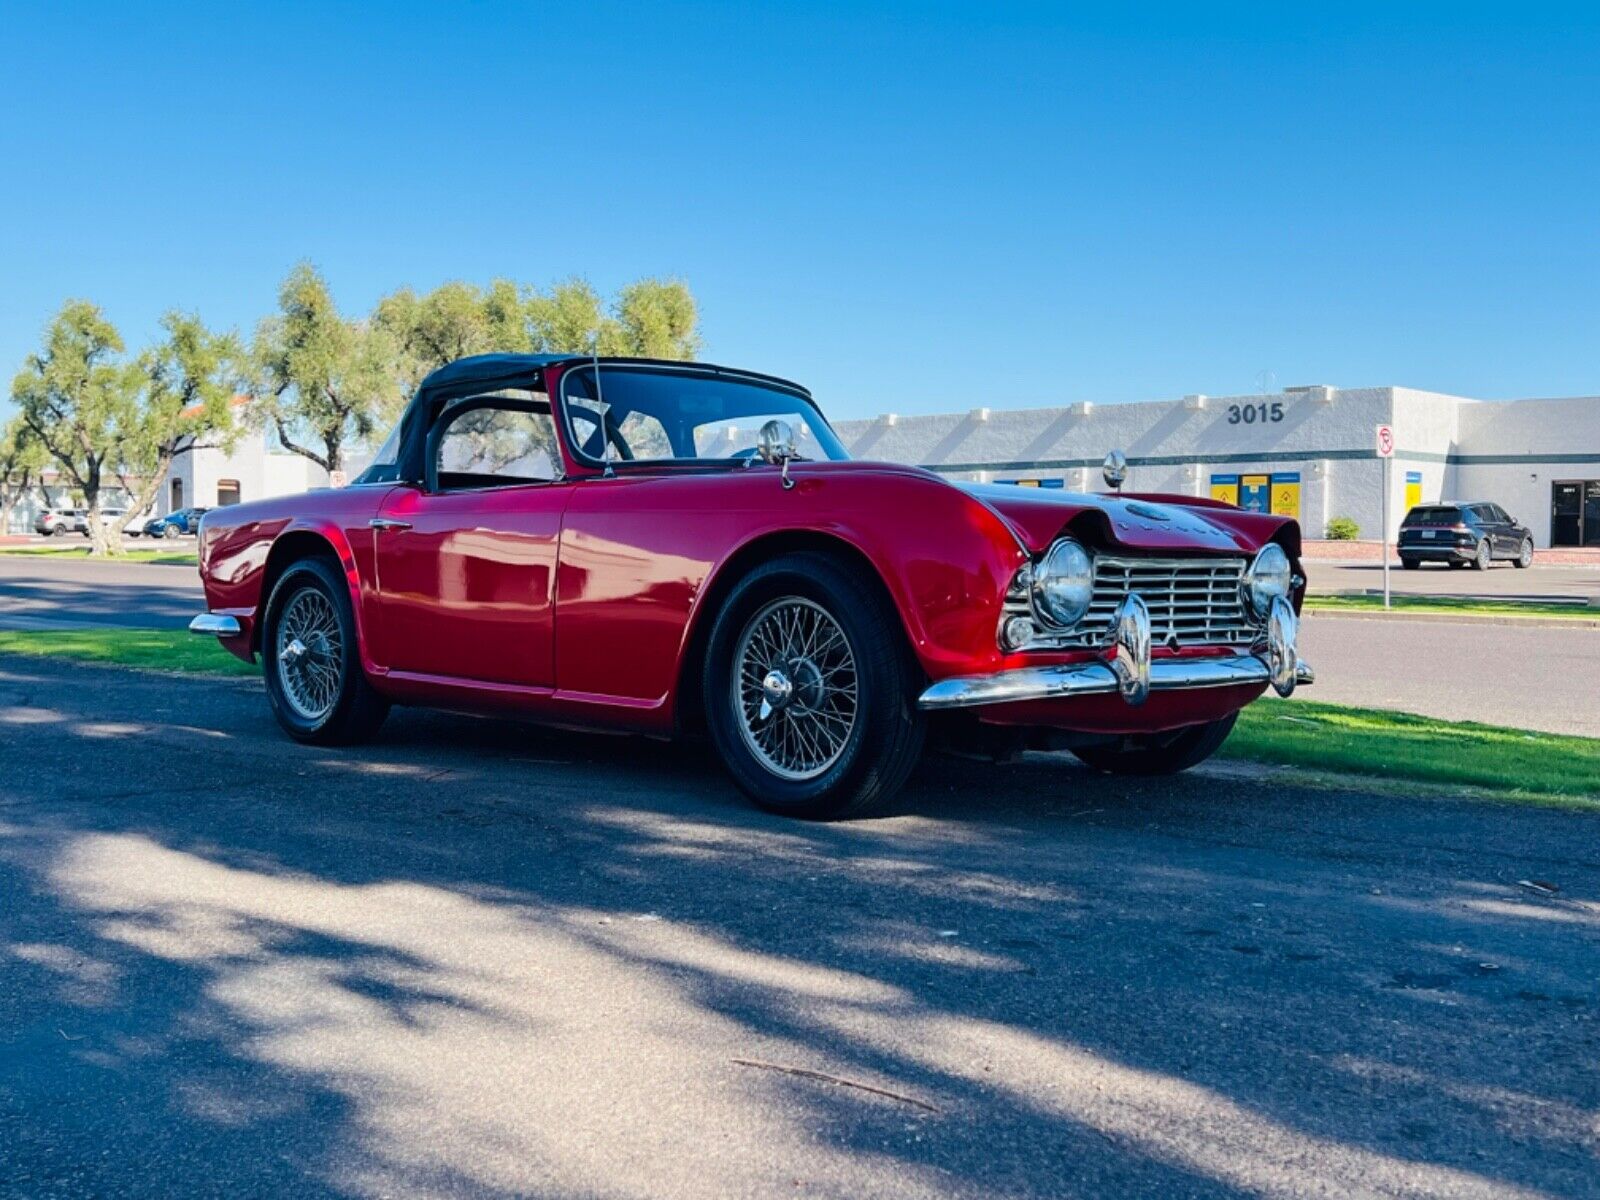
1524 558
1160 753
884 739
356 710
1456 564
169 531
1410 564
1483 556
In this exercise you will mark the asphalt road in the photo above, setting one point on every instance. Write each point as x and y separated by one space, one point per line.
40 592
1526 676
479 959
1501 581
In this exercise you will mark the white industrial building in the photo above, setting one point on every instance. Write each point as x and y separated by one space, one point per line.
255 468
1308 452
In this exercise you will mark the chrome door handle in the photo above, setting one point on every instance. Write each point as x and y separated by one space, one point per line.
382 523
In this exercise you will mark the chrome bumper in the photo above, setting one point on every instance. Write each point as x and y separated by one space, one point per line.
1130 671
216 625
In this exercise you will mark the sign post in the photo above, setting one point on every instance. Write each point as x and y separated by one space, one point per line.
1385 453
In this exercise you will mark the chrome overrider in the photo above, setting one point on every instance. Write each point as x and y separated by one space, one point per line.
215 625
1130 670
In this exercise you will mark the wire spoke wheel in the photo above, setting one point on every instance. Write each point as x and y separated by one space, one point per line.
310 654
795 688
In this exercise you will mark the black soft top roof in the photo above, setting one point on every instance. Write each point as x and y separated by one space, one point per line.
466 375
481 368
487 368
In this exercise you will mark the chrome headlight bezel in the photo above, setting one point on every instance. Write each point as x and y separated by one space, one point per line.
1063 584
1270 577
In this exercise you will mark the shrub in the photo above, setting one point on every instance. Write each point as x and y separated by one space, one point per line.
1343 529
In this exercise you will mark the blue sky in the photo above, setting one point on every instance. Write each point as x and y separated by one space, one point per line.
909 209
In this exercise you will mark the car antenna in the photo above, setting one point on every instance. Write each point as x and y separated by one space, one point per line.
600 402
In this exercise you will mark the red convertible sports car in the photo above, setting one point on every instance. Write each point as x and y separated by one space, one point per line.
673 548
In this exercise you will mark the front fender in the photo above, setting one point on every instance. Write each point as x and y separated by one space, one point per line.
944 558
241 559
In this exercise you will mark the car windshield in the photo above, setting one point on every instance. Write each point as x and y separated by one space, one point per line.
1433 515
642 413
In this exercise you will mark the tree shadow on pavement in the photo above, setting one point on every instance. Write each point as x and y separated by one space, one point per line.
479 958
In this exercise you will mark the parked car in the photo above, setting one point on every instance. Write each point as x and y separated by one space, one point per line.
1462 534
108 518
670 548
57 522
183 522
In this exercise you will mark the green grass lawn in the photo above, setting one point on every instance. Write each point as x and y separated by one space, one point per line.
146 649
1453 604
177 558
1393 747
182 558
1400 746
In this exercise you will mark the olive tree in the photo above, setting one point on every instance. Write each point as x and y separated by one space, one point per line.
75 395
108 422
187 382
651 318
321 380
656 318
452 321
22 462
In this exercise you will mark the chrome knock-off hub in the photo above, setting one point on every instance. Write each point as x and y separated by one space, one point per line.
794 685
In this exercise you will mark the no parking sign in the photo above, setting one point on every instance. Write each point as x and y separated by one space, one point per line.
1386 451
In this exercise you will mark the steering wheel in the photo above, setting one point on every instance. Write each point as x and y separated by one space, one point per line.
605 430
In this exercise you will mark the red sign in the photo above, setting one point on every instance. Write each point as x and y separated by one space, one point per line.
1385 441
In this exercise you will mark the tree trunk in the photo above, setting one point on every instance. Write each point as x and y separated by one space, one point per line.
139 501
11 493
99 544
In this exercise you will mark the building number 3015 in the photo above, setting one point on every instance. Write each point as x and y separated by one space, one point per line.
1249 414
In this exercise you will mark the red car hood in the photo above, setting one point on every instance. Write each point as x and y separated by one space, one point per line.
1038 516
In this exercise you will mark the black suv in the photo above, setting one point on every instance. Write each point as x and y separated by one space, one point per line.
1459 534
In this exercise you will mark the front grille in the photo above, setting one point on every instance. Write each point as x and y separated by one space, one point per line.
1192 602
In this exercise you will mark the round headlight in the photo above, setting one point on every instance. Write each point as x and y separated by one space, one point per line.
1267 579
1063 584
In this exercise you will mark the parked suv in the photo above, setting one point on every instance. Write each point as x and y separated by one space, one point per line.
1462 534
56 522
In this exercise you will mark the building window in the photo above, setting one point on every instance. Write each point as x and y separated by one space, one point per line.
1575 512
177 495
227 492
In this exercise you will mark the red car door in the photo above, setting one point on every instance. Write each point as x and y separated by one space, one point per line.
465 564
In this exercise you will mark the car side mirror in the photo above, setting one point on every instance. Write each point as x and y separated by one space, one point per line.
775 445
